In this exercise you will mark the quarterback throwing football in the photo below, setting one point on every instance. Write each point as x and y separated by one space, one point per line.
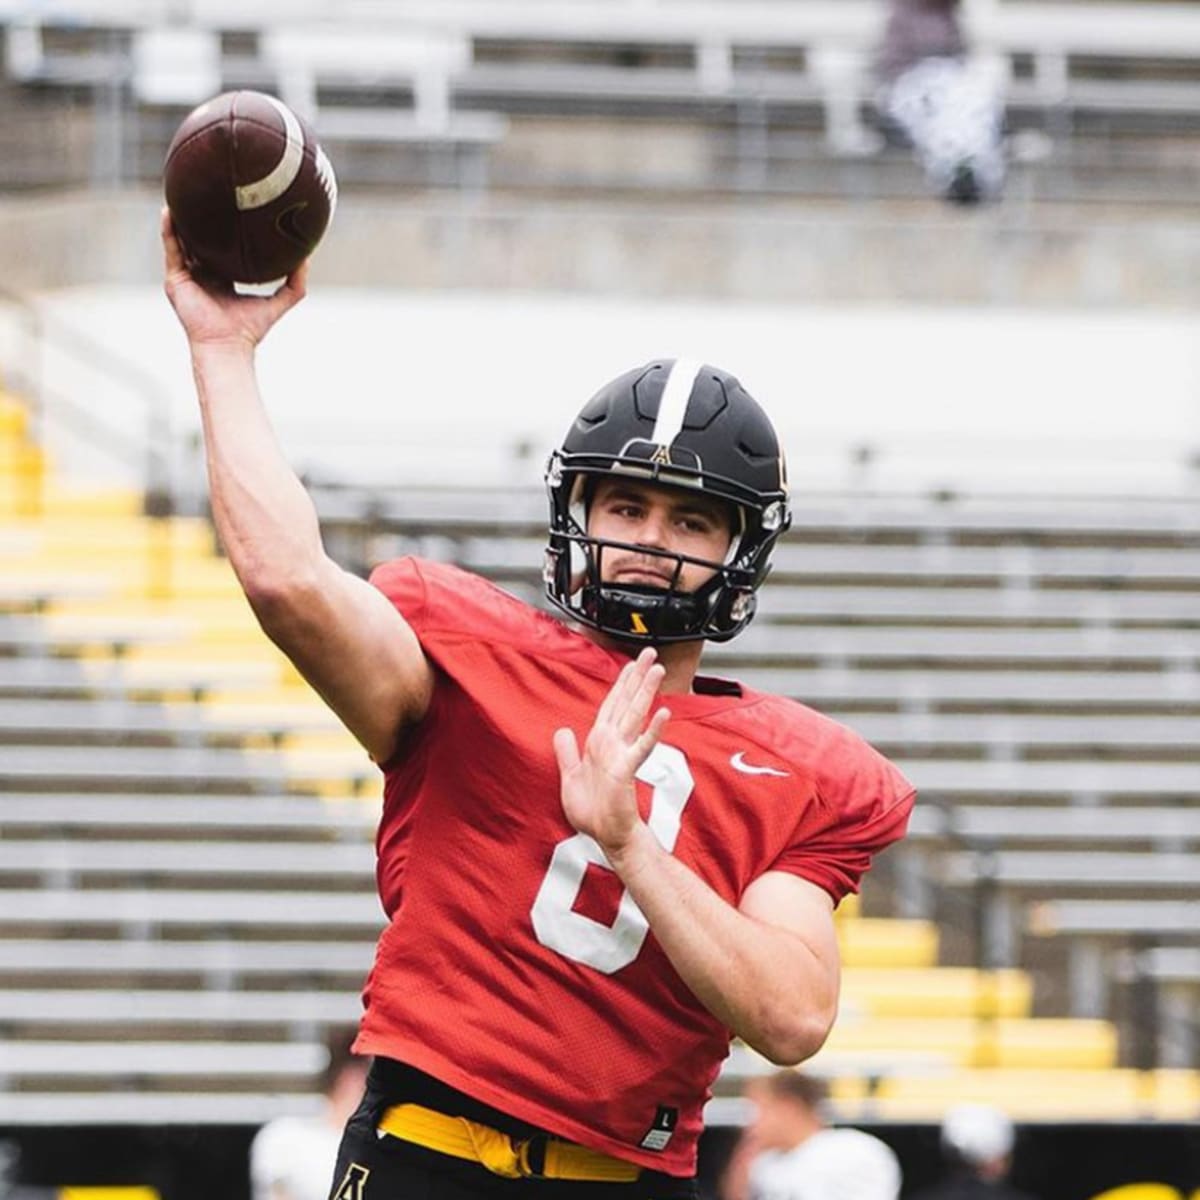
597 864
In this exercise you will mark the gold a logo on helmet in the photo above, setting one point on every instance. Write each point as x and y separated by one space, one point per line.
637 624
661 456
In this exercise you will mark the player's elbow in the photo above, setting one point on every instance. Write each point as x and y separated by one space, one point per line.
792 1040
281 600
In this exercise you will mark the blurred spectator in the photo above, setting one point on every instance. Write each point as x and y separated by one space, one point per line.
789 1151
977 1144
948 105
292 1158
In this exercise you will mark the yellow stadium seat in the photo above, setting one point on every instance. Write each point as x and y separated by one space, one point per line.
1141 1191
879 942
934 992
1021 1043
108 1193
1035 1094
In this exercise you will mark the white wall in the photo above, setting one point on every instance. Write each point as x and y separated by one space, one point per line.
979 400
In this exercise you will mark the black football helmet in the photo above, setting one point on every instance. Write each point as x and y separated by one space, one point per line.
678 423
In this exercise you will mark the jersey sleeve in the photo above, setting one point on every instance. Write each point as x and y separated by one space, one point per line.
403 583
444 602
866 804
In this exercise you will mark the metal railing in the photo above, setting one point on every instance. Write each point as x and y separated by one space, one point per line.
148 455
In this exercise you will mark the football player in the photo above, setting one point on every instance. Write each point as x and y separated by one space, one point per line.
597 864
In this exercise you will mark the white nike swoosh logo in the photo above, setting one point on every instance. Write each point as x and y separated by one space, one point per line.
739 763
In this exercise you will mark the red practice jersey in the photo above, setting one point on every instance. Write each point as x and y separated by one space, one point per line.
515 967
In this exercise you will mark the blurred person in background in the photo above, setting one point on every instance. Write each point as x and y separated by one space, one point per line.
789 1151
292 1158
977 1146
948 105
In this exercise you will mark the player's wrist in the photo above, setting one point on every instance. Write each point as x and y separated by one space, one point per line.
215 353
634 853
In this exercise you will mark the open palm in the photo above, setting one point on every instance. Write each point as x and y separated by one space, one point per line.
598 793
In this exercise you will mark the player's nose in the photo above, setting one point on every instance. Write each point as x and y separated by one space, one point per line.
654 530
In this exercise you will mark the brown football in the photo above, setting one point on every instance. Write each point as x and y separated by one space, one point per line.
250 191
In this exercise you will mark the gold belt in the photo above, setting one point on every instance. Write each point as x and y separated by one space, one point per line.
500 1153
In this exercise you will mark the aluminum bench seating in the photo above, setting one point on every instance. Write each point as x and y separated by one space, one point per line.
918 691
208 963
1056 36
1166 828
105 536
32 591
92 814
243 863
306 61
129 574
1063 871
42 677
140 912
1078 781
1094 930
75 633
118 721
233 1105
1177 920
946 606
178 768
1005 736
1172 964
35 635
845 644
63 1062
1174 976
1011 879
39 1014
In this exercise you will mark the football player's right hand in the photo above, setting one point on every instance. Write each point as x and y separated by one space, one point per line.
212 314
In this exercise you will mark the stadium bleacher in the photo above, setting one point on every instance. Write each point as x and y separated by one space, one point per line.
776 92
186 852
186 891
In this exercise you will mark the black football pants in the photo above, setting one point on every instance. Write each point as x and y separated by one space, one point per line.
370 1167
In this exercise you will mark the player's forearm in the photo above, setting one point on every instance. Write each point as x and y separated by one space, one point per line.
264 517
766 985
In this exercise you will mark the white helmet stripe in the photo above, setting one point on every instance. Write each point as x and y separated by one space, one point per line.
672 408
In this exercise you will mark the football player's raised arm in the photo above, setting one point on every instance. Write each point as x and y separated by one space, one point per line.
343 635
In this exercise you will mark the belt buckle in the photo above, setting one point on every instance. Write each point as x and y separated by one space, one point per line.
531 1156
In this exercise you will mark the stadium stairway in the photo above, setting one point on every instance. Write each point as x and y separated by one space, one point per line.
186 890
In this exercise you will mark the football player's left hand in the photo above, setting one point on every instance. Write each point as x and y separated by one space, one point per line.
598 795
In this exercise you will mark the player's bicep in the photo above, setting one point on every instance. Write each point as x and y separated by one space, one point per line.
363 658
